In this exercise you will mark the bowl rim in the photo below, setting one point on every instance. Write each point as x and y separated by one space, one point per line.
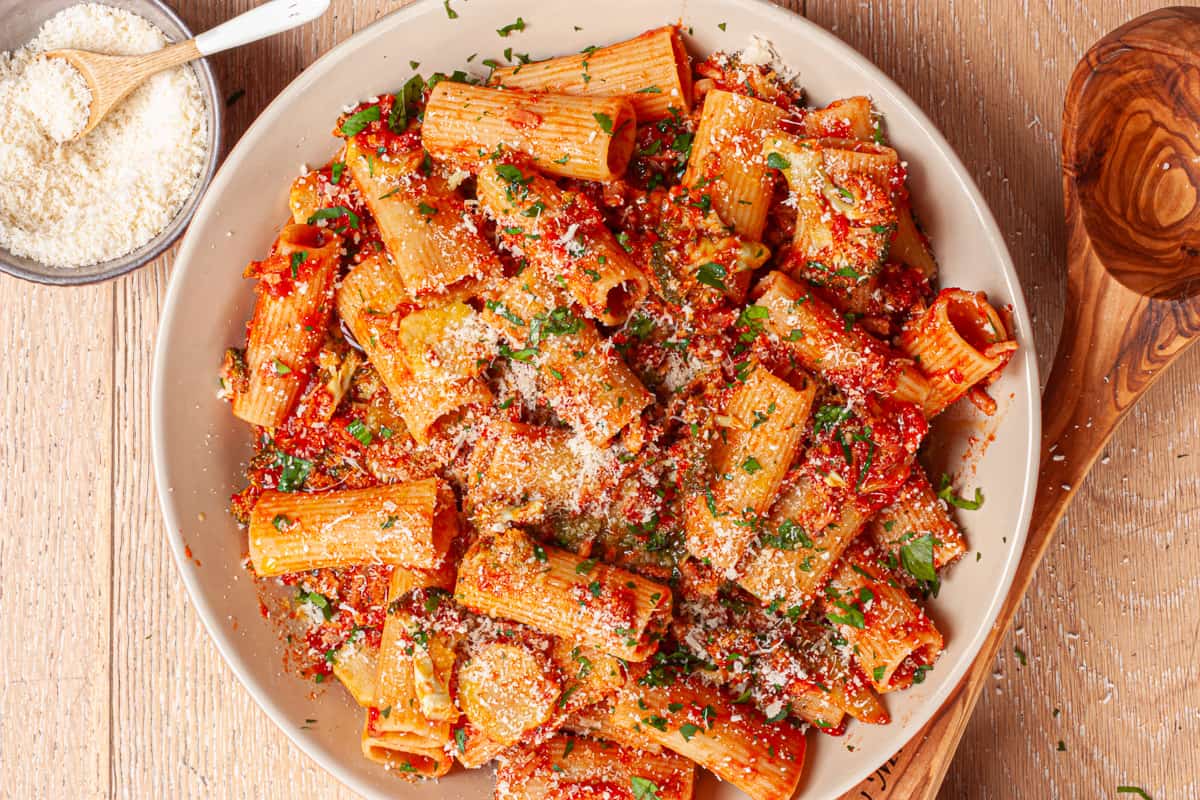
168 236
262 693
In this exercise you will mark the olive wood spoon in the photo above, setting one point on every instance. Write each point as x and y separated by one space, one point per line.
1131 180
111 78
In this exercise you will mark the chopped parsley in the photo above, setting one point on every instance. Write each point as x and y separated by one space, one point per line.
336 212
559 322
281 522
776 161
1139 791
712 274
946 492
293 471
280 367
688 730
519 25
829 417
405 102
605 122
450 12
359 431
524 355
643 789
852 616
751 465
358 121
789 535
916 557
781 715
319 601
500 310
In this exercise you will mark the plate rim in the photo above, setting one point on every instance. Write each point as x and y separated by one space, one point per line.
788 21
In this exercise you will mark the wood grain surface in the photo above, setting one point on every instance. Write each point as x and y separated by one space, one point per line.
112 688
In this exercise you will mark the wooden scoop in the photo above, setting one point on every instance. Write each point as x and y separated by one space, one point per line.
111 78
1131 177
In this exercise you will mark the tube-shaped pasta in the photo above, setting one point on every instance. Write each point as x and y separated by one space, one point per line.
592 676
918 512
891 635
514 463
848 118
764 420
291 311
410 524
374 285
507 690
727 161
795 561
429 360
581 767
512 577
590 138
844 218
412 700
581 376
400 753
960 342
597 721
424 224
652 70
564 236
355 664
848 357
851 119
406 579
736 743
304 198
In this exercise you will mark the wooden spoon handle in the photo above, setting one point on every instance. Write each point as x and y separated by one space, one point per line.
1098 374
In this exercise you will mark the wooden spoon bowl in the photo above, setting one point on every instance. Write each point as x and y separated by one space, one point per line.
1133 271
1136 165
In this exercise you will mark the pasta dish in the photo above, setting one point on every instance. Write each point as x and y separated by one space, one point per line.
587 401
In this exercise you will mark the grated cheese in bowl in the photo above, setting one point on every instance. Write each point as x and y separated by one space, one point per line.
77 203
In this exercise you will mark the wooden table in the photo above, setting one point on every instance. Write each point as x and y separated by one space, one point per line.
112 688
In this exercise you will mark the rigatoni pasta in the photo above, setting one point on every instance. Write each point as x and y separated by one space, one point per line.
581 766
690 718
960 342
407 524
652 70
294 301
424 224
576 137
762 424
509 575
564 236
727 161
587 407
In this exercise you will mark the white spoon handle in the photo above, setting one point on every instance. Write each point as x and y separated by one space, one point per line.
259 23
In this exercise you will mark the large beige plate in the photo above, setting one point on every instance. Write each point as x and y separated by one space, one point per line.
200 449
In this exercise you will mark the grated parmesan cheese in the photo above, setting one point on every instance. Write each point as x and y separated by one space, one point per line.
77 203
